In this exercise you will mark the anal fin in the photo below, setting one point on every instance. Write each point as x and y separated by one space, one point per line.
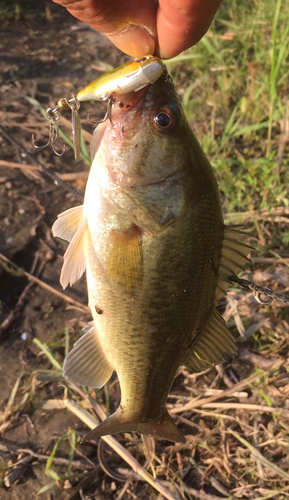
212 346
163 427
86 363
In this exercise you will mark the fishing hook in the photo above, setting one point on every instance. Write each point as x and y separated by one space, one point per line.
266 301
53 115
108 99
74 105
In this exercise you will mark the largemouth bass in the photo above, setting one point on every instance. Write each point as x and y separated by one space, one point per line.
157 255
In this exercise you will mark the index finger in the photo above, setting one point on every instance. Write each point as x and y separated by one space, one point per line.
182 23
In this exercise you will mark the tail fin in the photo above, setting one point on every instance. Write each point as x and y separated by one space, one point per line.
163 427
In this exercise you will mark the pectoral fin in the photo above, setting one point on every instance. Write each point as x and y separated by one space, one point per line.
67 223
71 226
74 261
213 346
125 257
86 363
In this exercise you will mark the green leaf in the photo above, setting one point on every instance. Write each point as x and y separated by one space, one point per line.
55 447
211 48
48 353
250 128
46 487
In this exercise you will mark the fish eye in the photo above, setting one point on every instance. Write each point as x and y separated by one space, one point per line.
142 60
165 120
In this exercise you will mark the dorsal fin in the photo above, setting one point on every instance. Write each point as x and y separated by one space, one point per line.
213 346
67 223
86 363
97 138
233 259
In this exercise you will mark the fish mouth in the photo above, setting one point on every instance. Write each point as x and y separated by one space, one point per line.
124 103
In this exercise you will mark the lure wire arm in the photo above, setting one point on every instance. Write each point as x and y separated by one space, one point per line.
111 472
258 291
74 106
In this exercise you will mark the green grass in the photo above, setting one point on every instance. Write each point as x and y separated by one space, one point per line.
235 91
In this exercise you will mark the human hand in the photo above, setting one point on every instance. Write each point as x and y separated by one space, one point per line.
140 27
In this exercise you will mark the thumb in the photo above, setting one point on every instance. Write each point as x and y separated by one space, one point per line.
134 40
130 25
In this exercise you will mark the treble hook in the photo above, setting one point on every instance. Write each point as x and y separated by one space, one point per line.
53 116
258 296
108 99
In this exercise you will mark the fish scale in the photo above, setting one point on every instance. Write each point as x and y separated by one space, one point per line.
157 255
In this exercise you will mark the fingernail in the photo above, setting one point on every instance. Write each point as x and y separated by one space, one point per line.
134 41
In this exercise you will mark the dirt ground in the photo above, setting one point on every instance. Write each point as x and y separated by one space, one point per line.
46 54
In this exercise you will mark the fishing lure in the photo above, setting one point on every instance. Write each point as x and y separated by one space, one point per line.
130 77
